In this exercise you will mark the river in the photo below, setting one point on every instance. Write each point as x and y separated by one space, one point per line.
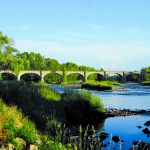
131 96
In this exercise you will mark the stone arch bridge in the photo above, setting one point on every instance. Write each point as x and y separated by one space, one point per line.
84 74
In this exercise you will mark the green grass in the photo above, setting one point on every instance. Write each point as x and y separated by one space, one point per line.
82 108
98 86
101 85
15 125
94 101
48 94
43 104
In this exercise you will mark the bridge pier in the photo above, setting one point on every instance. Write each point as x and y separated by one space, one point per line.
105 75
41 75
124 77
18 78
85 76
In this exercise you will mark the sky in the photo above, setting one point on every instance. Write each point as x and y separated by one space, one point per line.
113 34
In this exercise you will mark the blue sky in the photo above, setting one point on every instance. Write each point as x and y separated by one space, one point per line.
113 34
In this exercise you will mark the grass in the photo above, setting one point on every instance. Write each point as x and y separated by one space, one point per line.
43 104
49 115
82 107
101 85
98 86
36 100
48 94
14 124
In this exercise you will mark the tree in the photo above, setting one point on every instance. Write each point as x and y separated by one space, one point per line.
70 66
17 64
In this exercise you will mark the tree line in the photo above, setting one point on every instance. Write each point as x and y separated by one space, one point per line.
12 59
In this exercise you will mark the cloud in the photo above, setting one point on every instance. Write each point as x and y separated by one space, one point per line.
116 56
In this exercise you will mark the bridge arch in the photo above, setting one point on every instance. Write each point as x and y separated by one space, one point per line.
75 76
95 76
52 77
30 77
8 76
115 77
133 77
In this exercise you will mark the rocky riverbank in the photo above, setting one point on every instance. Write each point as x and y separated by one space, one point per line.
111 112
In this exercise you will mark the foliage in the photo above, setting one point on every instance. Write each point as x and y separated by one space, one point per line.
16 125
53 78
45 103
75 78
95 77
146 72
50 144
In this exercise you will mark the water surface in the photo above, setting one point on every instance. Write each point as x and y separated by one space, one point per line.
131 96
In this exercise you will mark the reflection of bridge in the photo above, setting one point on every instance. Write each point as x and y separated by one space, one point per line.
84 74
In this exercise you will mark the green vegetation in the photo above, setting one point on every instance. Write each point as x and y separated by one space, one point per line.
49 110
48 94
101 86
82 108
12 59
14 125
42 104
146 73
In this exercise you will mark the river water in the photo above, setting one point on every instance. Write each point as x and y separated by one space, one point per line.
131 96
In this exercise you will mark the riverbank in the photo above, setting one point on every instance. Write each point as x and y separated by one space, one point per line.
60 115
145 83
112 112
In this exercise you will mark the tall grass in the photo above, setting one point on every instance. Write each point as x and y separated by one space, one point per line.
82 108
43 104
36 100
